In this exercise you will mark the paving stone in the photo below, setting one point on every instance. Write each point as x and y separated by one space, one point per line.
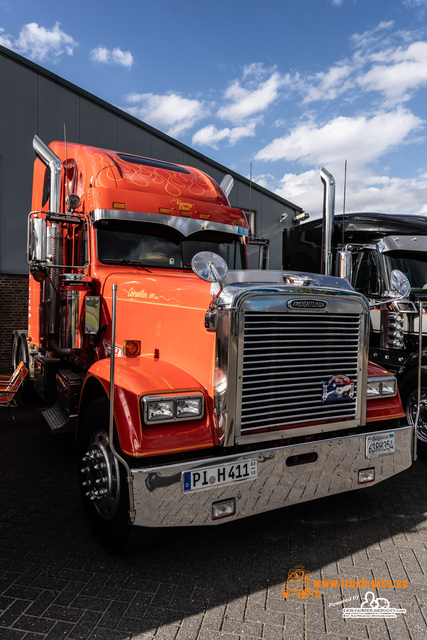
203 583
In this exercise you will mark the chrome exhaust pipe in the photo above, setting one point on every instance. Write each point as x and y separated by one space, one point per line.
328 220
52 161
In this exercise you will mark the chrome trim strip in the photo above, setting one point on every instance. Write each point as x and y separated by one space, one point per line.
398 242
186 226
161 502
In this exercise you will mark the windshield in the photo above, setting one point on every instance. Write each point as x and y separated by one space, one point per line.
155 245
413 264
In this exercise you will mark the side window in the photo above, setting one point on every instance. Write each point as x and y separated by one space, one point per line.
366 276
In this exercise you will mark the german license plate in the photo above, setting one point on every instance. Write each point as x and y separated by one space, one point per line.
380 444
222 474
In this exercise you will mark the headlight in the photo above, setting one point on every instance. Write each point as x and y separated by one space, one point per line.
170 409
381 387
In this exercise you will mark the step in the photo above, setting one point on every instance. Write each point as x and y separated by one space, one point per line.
58 420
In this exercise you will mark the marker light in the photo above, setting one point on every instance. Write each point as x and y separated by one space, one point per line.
132 348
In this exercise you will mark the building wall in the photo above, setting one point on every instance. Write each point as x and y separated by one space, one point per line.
35 101
14 310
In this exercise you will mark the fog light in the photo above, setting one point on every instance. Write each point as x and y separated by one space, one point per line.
223 509
366 475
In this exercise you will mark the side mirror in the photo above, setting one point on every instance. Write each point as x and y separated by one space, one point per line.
209 266
400 283
401 289
37 240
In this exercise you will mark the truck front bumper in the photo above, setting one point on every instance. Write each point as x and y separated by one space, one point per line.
160 499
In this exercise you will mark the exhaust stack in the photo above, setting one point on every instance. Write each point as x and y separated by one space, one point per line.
52 161
328 220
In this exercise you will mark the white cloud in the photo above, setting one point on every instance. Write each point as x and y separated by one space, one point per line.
372 37
170 112
366 191
245 102
363 138
401 71
39 43
328 85
210 136
102 55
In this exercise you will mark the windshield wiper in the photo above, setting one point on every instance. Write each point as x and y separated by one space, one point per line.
128 263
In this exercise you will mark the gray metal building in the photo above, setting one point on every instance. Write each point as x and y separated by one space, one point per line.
35 101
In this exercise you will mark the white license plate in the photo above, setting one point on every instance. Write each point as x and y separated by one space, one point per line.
222 474
378 445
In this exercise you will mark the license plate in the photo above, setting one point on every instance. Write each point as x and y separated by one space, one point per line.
222 474
378 445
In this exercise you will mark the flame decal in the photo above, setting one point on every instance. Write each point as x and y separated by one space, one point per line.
173 183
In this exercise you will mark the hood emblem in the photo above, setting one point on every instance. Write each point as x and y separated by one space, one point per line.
307 304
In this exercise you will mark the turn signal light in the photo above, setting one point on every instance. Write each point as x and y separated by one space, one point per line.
132 348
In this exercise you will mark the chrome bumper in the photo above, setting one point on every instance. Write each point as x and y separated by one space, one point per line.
160 500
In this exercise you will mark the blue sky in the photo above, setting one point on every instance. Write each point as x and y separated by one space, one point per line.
287 86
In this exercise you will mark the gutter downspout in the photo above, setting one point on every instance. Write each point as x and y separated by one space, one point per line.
328 220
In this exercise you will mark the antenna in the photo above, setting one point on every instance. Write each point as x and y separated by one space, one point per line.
66 161
250 195
343 202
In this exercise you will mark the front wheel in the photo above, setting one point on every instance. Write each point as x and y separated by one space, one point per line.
104 486
409 396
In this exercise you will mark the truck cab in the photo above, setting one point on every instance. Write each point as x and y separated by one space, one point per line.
379 244
199 391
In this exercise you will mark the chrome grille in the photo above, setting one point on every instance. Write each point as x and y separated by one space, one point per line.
286 359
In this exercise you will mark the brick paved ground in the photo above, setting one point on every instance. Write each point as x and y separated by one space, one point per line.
204 584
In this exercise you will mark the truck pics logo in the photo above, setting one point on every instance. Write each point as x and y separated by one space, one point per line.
339 387
307 304
298 584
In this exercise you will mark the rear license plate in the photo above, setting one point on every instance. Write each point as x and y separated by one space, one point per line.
378 445
222 474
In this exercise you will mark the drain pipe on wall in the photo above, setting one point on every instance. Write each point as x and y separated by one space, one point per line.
129 475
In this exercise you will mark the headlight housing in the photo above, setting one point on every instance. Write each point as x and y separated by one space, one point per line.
383 387
172 408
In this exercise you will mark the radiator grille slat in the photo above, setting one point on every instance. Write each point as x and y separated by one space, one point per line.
287 358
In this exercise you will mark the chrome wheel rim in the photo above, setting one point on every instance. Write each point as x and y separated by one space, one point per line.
411 413
100 476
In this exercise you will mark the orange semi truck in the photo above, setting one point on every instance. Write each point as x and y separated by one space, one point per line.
199 391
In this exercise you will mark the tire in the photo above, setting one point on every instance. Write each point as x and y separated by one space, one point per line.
16 344
409 395
104 486
20 354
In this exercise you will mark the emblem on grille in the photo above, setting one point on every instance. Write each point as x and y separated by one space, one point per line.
339 387
307 304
